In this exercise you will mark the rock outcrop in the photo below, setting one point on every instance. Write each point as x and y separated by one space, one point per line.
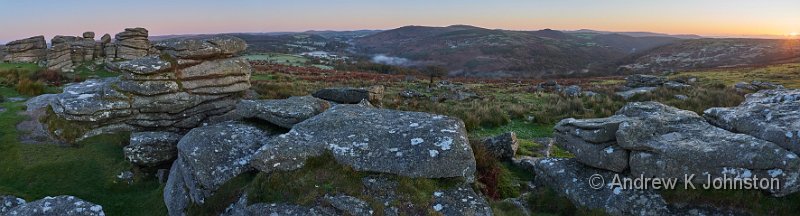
772 115
152 148
59 57
641 80
407 143
461 200
628 94
66 52
348 205
29 50
352 95
207 158
60 205
160 93
132 44
503 146
653 139
756 86
285 113
549 86
575 181
9 202
592 141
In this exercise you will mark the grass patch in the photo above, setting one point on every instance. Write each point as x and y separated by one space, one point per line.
320 176
785 74
94 71
86 170
66 130
12 73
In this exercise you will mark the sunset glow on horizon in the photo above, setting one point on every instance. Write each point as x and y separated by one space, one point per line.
735 18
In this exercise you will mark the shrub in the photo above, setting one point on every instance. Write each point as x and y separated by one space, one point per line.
497 182
10 77
52 77
30 88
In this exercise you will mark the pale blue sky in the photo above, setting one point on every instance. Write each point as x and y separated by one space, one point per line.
20 18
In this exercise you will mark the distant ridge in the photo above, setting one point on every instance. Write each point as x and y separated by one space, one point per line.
639 34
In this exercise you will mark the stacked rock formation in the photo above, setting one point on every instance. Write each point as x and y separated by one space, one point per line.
191 82
653 139
67 52
30 50
132 44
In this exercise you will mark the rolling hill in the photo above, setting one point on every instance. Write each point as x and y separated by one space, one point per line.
474 51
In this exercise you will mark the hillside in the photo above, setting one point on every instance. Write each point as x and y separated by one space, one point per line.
477 52
474 51
713 53
469 51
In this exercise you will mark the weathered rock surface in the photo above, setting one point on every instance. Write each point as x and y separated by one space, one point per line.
285 113
33 131
156 93
755 86
573 180
668 142
572 91
67 52
676 85
461 200
9 202
59 57
132 43
213 47
60 205
408 93
349 205
29 50
593 142
772 115
406 143
640 80
88 34
503 146
636 91
652 139
549 86
207 158
152 148
351 95
241 208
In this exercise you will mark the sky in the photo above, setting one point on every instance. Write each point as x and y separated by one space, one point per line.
25 18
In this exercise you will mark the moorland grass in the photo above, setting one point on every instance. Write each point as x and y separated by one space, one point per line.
320 176
785 74
87 170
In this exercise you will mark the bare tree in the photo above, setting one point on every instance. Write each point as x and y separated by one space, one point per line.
434 71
